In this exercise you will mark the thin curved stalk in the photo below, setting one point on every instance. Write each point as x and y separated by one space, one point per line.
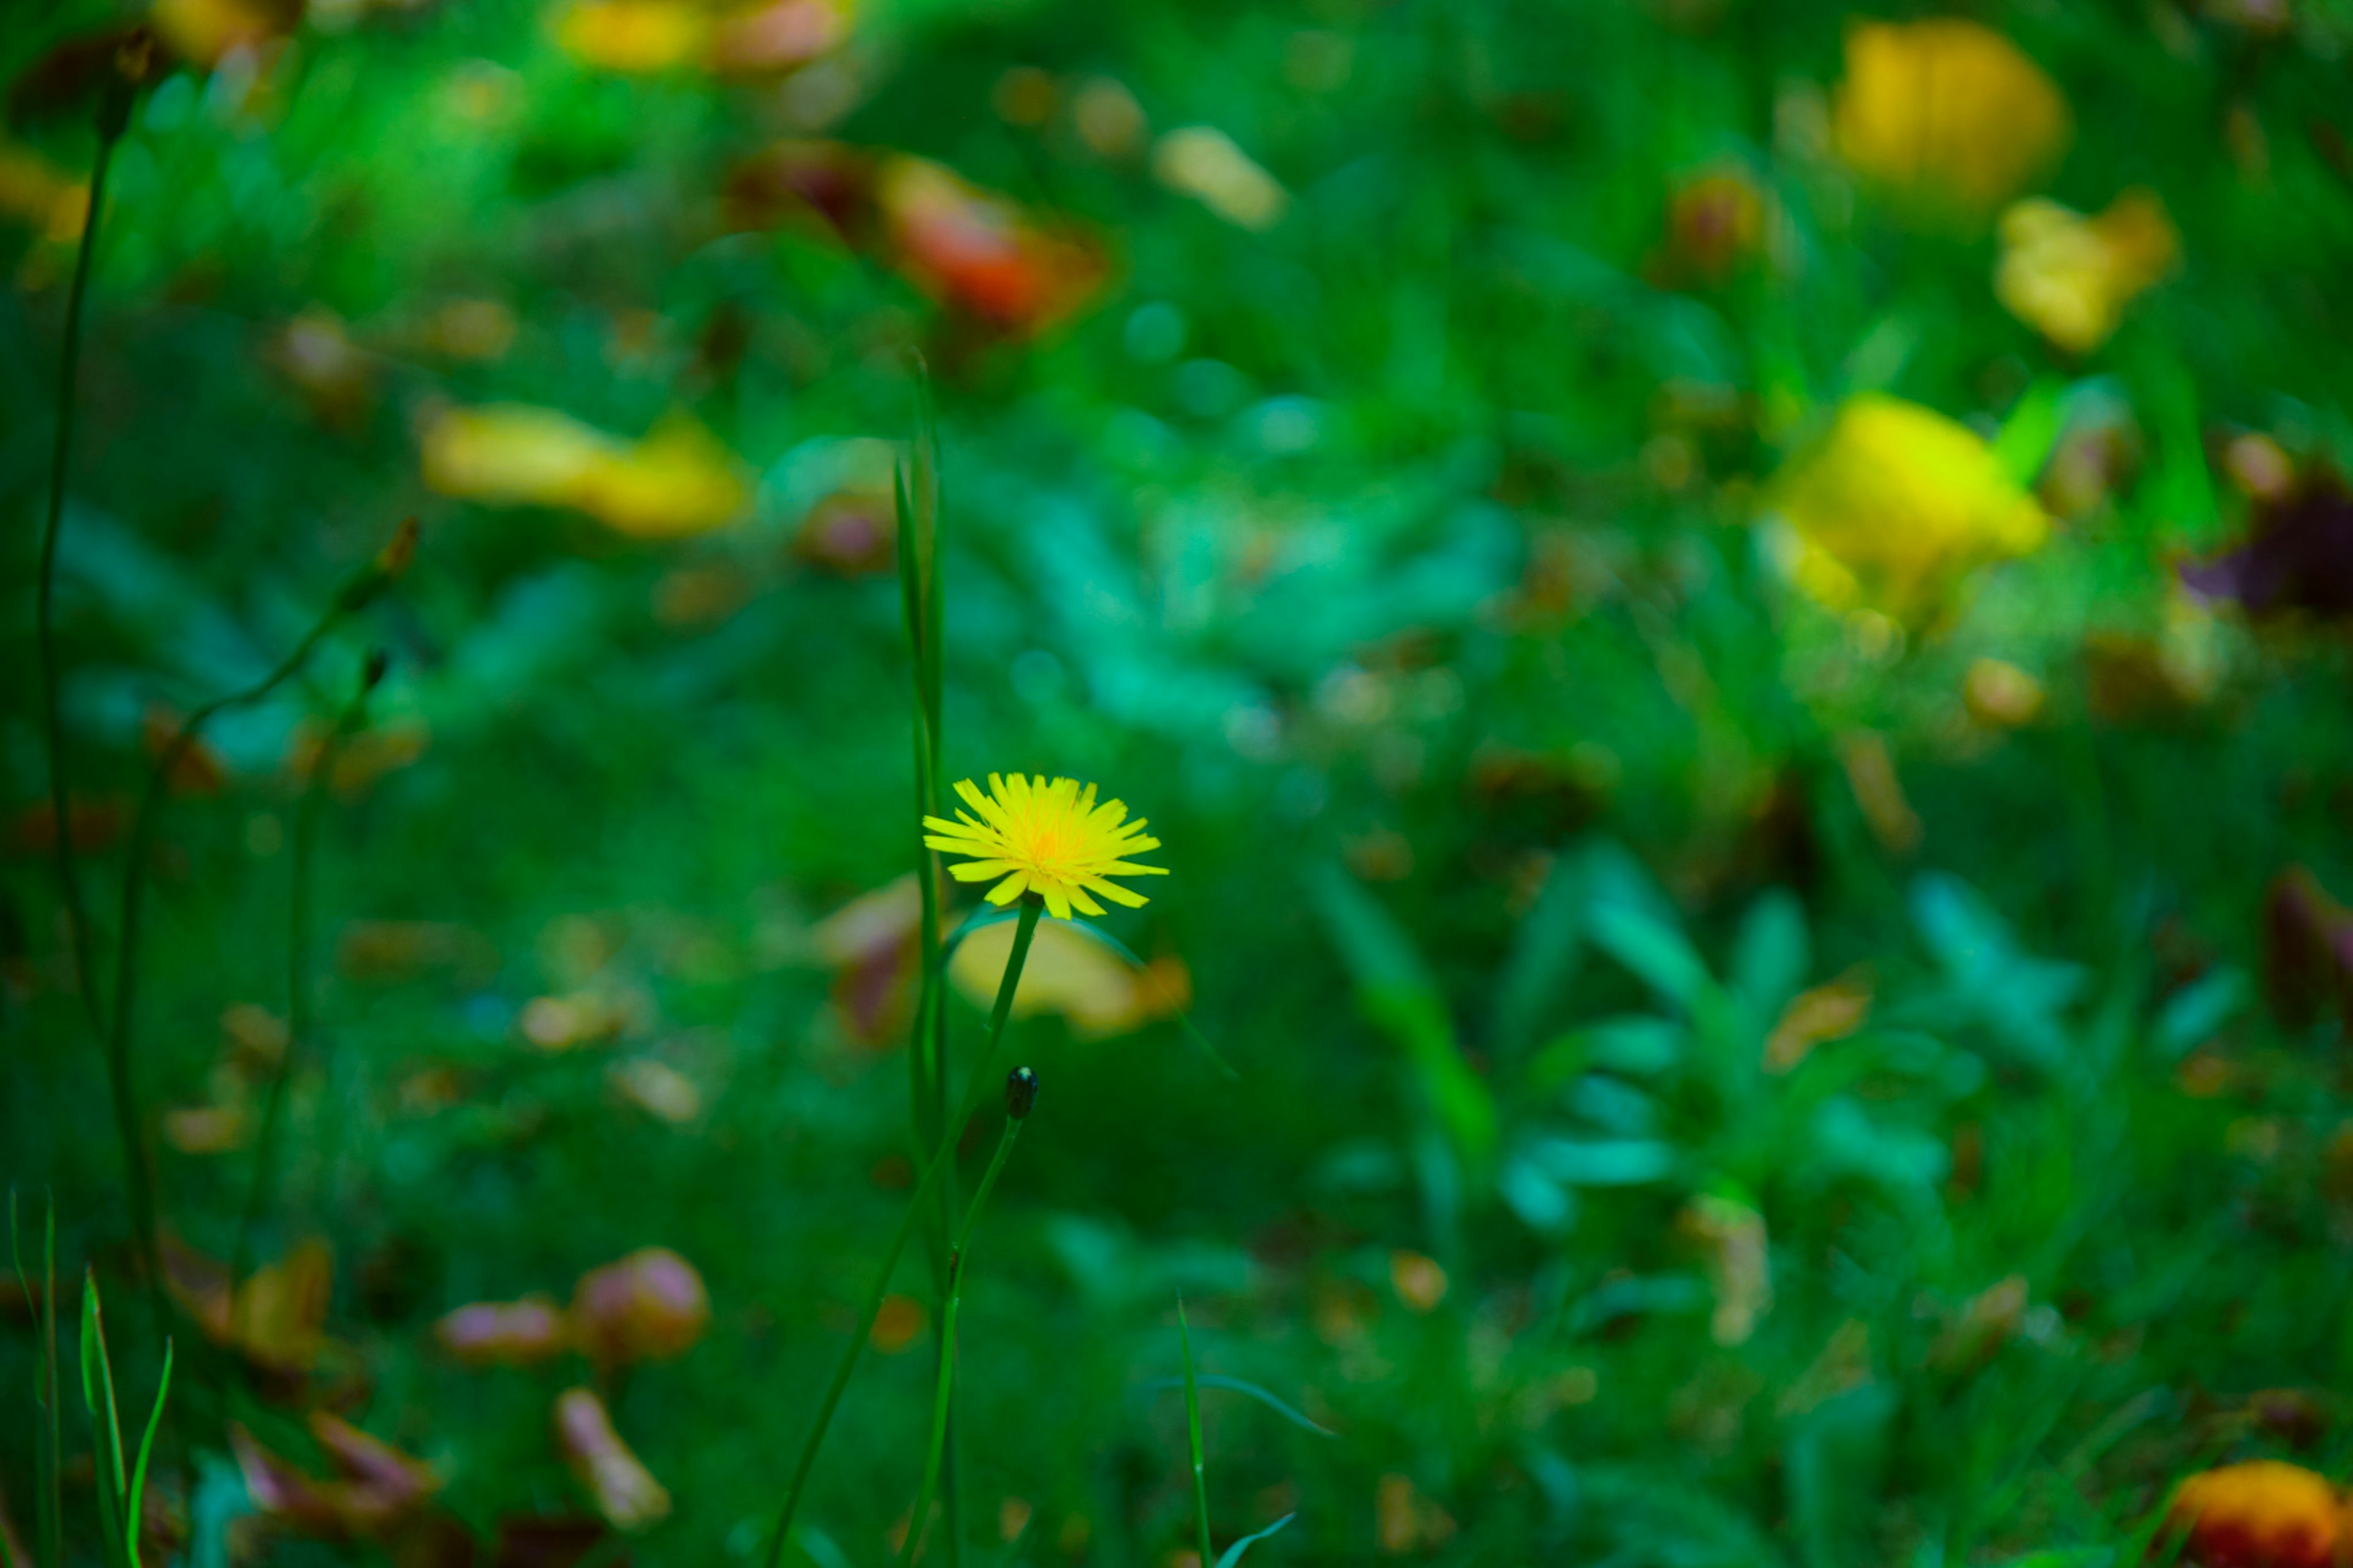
77 923
959 1259
299 1008
942 1156
134 887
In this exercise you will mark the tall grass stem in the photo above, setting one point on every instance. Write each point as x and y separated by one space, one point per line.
942 1155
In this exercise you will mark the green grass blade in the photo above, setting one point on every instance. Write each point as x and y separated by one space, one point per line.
1233 1553
98 1393
1193 1433
1237 1385
146 1451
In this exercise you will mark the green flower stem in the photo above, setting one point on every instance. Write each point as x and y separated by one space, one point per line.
942 1156
299 1008
959 1257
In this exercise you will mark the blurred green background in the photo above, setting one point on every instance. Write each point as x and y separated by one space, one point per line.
1726 612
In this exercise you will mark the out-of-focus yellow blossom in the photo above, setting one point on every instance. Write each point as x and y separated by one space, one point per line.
1203 163
1071 974
1947 110
677 481
1895 503
640 36
2000 696
2070 276
204 31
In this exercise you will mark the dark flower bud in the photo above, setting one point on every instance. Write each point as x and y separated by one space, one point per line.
121 84
1020 1093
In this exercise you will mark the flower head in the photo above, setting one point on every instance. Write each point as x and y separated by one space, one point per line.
1047 838
1947 110
2070 276
2262 1514
1895 502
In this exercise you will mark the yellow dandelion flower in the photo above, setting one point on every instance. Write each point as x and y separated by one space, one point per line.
1047 839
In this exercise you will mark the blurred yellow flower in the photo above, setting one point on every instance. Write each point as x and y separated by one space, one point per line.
1895 503
204 31
677 481
1047 838
2070 276
1071 973
1946 109
644 35
1203 163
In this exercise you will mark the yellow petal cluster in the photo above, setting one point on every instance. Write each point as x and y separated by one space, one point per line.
648 37
1896 502
2070 276
1045 837
1069 973
676 482
1949 112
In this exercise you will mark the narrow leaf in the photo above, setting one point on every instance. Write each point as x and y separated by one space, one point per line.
1233 1554
146 1451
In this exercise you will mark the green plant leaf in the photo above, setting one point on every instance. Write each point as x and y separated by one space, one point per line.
146 1450
1233 1554
1238 1385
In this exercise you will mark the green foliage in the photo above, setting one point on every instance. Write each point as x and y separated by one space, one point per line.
1419 562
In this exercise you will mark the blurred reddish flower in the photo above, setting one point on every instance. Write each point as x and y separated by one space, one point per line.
505 1333
624 1490
2263 1514
649 1306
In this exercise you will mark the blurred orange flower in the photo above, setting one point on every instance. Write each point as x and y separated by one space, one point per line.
1895 503
2070 276
649 1306
2263 1514
1946 110
976 251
